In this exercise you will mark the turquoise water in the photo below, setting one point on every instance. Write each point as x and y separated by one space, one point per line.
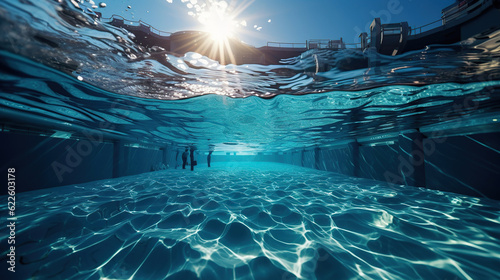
44 97
255 221
67 75
94 73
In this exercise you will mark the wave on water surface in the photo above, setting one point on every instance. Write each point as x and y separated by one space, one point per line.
60 35
144 94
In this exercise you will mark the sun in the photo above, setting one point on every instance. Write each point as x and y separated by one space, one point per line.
220 29
218 21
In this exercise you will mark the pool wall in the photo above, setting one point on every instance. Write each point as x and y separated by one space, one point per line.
467 165
42 161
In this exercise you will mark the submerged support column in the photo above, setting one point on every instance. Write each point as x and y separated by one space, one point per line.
316 157
353 148
289 157
411 159
165 156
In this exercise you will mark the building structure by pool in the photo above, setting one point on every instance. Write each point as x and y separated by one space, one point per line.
459 21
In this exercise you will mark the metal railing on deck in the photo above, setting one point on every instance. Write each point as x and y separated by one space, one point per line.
138 23
424 28
352 45
287 45
324 44
449 14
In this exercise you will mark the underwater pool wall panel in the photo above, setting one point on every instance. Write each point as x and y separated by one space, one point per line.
296 157
287 157
164 155
119 159
464 164
318 159
308 159
142 160
376 162
467 164
45 162
339 159
411 159
173 157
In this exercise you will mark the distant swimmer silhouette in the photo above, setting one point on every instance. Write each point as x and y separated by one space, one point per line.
210 151
209 157
191 155
185 158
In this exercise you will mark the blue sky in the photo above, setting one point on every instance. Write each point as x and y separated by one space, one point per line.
290 20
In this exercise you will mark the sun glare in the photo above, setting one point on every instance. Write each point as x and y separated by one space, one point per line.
218 22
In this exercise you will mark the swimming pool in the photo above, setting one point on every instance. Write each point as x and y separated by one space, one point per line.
385 172
255 221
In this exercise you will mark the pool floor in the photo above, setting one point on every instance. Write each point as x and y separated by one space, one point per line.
253 221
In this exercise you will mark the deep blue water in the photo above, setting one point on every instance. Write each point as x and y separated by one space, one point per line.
62 72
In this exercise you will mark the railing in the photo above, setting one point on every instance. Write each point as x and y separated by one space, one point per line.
311 44
326 44
449 14
319 44
352 45
138 23
156 31
287 45
424 28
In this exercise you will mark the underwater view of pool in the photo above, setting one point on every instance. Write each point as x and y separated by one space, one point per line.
94 125
254 221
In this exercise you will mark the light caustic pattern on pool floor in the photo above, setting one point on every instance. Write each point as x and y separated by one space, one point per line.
254 221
